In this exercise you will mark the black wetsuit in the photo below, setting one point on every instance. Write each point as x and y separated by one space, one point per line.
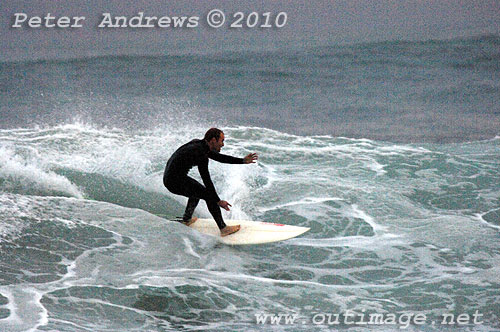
177 181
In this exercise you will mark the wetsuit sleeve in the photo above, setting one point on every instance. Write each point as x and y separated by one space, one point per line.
205 176
223 158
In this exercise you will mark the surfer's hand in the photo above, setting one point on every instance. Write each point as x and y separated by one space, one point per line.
225 205
250 158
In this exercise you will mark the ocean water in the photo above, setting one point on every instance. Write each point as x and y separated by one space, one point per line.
389 152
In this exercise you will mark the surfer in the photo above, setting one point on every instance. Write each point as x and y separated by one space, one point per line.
196 153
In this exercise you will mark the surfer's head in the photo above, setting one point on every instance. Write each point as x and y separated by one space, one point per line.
215 139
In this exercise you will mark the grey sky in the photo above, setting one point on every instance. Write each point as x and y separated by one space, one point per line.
309 23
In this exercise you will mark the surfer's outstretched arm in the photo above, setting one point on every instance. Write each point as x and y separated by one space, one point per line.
224 158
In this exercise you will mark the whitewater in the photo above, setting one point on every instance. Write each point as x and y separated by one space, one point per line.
394 228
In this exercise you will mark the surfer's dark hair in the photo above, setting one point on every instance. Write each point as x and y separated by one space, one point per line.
213 133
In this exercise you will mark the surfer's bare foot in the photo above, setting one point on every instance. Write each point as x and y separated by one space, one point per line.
229 230
190 221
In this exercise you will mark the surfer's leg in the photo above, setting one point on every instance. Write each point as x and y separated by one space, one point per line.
191 205
192 189
214 209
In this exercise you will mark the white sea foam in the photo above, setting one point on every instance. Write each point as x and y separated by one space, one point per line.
367 242
341 188
302 201
358 213
30 177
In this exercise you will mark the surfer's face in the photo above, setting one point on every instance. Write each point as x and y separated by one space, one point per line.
216 145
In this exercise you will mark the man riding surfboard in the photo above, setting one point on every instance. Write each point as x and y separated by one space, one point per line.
197 153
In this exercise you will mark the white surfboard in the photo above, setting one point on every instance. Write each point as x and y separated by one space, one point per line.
251 232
